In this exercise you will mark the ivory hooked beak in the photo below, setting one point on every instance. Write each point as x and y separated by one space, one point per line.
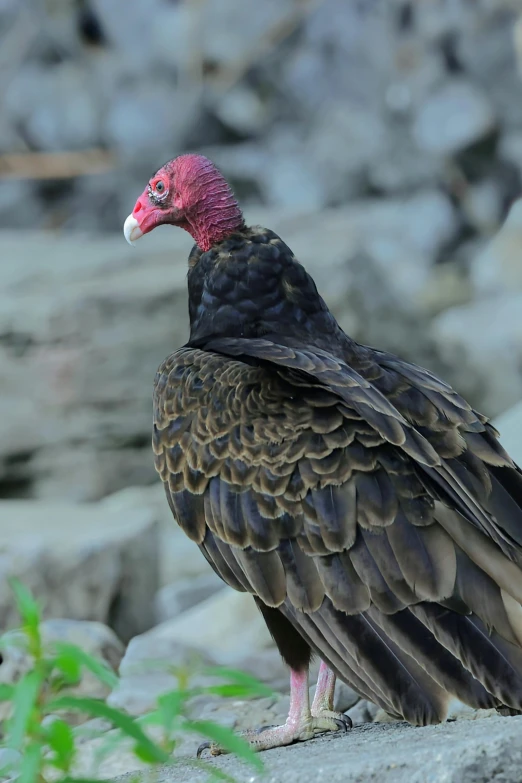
131 230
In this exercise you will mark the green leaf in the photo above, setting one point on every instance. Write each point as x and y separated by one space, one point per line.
99 709
60 737
83 780
30 613
226 738
69 667
24 701
170 706
6 692
251 685
230 691
73 656
27 606
31 764
143 754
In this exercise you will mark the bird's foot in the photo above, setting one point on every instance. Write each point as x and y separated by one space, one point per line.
292 731
330 715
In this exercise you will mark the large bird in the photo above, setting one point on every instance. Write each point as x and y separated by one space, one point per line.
370 511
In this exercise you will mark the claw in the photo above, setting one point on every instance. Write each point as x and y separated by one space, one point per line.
344 723
204 746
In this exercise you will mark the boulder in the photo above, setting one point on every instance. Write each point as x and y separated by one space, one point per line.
509 425
497 269
175 598
226 628
482 342
452 118
181 562
83 562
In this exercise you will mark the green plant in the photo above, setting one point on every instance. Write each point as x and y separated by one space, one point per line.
46 748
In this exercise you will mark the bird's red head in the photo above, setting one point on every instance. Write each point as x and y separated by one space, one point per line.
191 193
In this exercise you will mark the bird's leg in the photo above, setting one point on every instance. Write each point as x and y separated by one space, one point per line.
322 705
301 723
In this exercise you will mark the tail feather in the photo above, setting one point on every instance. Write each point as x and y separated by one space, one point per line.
418 641
493 661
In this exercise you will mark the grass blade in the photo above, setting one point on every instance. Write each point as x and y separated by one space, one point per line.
250 684
31 764
6 692
24 700
67 653
125 723
61 740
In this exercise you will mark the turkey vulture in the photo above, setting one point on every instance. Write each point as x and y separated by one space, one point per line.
370 511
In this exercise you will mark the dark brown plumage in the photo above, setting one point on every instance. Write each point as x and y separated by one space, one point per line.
361 500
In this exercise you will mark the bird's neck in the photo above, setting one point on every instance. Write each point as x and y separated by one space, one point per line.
250 285
215 215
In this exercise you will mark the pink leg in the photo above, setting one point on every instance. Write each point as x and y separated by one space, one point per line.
324 691
301 724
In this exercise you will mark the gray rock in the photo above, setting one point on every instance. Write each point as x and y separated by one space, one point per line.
453 118
341 147
56 106
241 109
180 559
173 599
363 712
129 30
174 37
94 332
9 760
226 628
289 181
477 337
83 562
459 752
344 697
509 424
150 116
497 268
482 205
233 33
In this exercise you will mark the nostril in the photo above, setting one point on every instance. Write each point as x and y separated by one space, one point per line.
138 207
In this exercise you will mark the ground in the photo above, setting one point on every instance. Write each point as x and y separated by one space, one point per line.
466 751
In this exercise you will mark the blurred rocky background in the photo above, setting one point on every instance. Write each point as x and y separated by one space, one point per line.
381 138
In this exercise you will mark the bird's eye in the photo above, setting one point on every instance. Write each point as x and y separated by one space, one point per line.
159 187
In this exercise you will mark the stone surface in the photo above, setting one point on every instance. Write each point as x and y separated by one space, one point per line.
460 752
497 268
482 342
347 106
84 562
509 424
357 90
175 598
226 628
180 558
453 118
363 712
